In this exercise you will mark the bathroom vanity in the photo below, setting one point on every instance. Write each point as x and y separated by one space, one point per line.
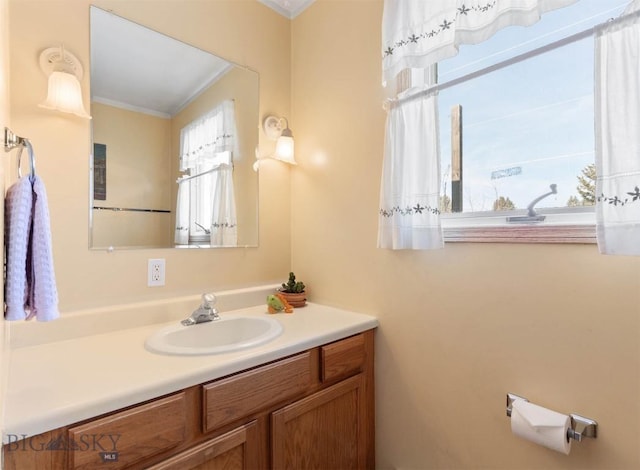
305 401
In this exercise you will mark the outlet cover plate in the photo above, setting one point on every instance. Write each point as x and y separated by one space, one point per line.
155 272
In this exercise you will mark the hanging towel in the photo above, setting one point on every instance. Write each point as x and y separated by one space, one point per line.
30 289
17 225
43 294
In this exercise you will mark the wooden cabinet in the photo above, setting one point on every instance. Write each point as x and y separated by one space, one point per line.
312 410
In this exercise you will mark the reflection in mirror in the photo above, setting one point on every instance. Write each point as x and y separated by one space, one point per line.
174 131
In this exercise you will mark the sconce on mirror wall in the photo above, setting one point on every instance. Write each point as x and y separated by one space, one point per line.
65 72
277 128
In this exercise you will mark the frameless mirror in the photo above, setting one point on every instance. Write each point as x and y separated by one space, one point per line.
174 132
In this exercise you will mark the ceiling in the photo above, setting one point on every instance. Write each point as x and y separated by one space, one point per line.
288 8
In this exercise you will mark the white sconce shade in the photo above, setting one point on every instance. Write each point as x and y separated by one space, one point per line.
284 149
64 93
275 130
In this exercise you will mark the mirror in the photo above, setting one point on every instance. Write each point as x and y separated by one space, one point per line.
174 133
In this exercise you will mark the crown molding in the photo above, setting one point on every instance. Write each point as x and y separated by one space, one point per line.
288 8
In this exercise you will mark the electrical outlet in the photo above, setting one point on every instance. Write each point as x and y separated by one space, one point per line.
155 272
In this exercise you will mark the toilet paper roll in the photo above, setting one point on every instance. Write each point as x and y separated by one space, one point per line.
540 425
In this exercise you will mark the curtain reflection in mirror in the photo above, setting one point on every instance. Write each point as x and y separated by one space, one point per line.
206 208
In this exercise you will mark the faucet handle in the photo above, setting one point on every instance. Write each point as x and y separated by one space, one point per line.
208 301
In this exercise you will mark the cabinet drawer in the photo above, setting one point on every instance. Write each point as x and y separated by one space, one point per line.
342 358
130 436
235 449
239 396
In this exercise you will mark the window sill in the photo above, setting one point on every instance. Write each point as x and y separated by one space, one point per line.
577 226
522 234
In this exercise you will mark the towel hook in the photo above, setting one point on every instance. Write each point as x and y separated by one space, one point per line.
32 157
12 141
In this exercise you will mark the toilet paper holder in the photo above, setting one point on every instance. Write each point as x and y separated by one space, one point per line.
580 426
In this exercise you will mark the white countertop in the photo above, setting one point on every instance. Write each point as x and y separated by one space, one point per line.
62 382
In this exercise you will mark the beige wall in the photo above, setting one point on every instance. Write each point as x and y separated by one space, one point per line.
245 32
138 176
459 327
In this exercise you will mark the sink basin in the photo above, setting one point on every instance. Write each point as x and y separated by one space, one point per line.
230 333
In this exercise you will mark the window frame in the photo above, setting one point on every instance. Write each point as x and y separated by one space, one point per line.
562 225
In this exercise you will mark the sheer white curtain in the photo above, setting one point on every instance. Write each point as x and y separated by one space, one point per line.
618 137
409 194
224 225
206 201
182 214
415 35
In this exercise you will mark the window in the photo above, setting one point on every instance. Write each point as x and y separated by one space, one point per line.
519 129
206 211
202 188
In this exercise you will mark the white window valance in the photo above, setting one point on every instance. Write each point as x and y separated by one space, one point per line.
203 138
419 33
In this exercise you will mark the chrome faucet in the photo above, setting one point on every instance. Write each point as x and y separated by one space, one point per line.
205 313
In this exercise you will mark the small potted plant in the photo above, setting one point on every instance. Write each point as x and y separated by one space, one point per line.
294 292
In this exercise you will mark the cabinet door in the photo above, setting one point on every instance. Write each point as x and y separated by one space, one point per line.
325 430
235 450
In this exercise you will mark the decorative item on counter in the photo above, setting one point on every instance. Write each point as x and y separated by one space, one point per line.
277 303
294 291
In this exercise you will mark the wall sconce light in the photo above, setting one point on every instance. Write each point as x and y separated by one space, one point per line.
65 72
277 128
